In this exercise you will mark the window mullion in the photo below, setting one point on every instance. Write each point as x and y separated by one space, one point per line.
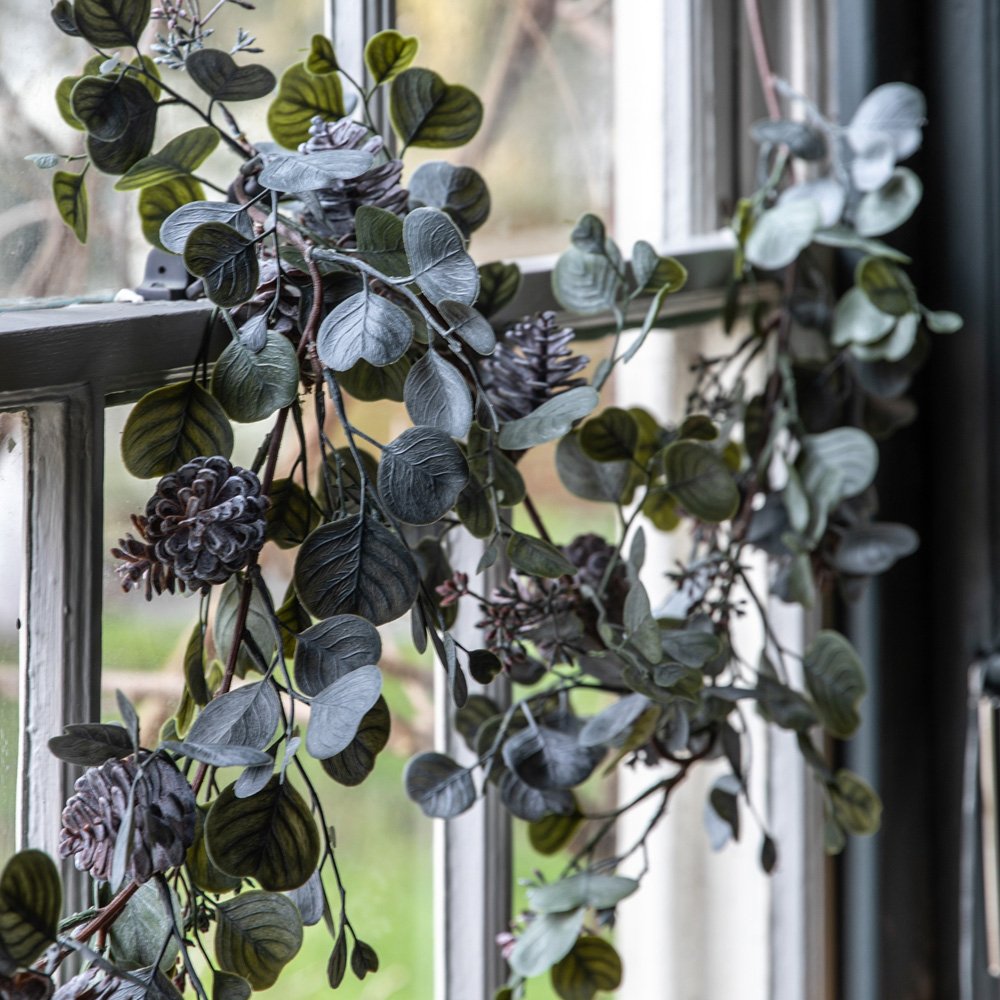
61 633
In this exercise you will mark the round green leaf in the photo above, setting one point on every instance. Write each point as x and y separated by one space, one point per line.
30 901
289 172
388 53
469 325
552 833
426 111
700 480
856 320
115 156
200 866
138 936
228 986
258 624
380 240
592 965
372 383
330 649
270 836
587 282
100 104
301 96
436 395
225 260
654 273
782 233
554 418
321 59
172 425
356 761
64 18
183 221
256 935
460 192
836 681
356 565
856 806
70 194
246 717
251 385
178 158
421 475
890 206
291 514
602 482
547 939
886 286
611 436
216 73
442 788
107 24
436 252
537 557
474 509
338 710
159 201
364 326
498 284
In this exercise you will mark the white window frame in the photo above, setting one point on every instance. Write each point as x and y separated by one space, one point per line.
61 366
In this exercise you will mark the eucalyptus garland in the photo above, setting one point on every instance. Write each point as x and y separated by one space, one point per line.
336 270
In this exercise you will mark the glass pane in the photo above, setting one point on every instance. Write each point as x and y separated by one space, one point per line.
12 551
39 256
544 74
383 840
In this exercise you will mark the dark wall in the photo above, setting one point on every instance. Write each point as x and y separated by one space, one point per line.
936 611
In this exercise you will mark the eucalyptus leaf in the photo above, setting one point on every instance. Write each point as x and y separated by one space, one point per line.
441 787
70 194
357 760
611 436
172 425
356 566
613 722
143 935
219 76
869 549
498 284
158 202
115 156
459 192
258 625
856 806
803 139
321 59
586 282
330 649
179 225
893 113
365 326
225 260
301 97
469 325
338 710
90 744
256 935
421 475
380 240
547 939
537 557
546 758
886 286
229 986
270 837
246 716
312 171
107 24
30 904
553 832
942 322
701 481
599 481
291 514
309 899
178 158
252 385
438 260
554 418
591 966
437 396
887 208
782 233
602 892
534 804
856 320
836 681
426 111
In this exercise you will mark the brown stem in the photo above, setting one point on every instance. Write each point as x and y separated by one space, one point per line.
536 519
759 44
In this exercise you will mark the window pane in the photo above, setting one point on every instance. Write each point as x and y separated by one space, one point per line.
383 840
39 256
12 549
543 72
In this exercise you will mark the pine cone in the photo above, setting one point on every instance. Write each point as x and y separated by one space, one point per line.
90 985
378 186
26 985
531 365
163 817
285 319
203 523
591 554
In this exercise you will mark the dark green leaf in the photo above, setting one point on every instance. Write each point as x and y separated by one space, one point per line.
288 172
178 158
203 872
258 625
183 221
338 710
533 804
216 73
693 648
475 511
356 565
380 240
372 383
537 557
246 716
553 832
253 385
701 481
547 758
30 902
117 155
437 396
64 18
100 104
437 784
270 837
159 201
70 195
138 936
363 959
337 966
225 260
554 418
887 287
586 282
256 935
107 24
468 324
388 53
301 97
654 273
91 744
460 192
421 475
229 986
438 261
498 284
768 854
291 514
363 326
171 426
321 59
611 436
426 111
592 965
547 939
856 806
357 760
722 812
836 681
583 477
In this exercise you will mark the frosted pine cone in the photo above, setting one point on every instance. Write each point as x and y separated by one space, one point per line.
163 817
531 365
591 554
203 523
378 186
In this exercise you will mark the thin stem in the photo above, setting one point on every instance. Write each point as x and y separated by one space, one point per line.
759 44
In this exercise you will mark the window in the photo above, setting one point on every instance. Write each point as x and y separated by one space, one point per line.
676 82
